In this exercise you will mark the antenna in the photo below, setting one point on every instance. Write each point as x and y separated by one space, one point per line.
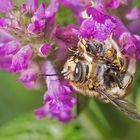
55 74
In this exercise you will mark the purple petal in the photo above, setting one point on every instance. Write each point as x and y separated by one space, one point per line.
41 112
66 34
100 5
21 59
2 22
127 41
31 5
5 6
137 38
36 26
44 49
133 14
98 15
30 85
52 9
65 37
5 63
114 4
99 26
120 28
134 26
5 36
76 4
40 12
9 48
28 75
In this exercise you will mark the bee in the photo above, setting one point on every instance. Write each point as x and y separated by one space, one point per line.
100 70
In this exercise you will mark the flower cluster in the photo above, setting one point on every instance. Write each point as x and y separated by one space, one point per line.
25 36
31 41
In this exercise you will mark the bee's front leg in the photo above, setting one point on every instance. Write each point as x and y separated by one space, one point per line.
111 76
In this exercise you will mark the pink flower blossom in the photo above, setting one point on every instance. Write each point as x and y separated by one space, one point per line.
128 42
133 14
114 4
22 34
44 49
29 77
6 6
8 48
31 5
99 26
21 59
58 100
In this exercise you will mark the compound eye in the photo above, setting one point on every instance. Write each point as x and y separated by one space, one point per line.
78 72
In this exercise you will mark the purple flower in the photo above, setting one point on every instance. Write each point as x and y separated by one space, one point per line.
99 5
40 12
29 76
99 26
133 14
38 20
31 21
66 34
31 5
6 6
137 38
44 49
127 41
52 9
8 48
58 100
5 63
36 26
2 22
65 38
114 4
75 4
5 36
24 35
21 59
134 26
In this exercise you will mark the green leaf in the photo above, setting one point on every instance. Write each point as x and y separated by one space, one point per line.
137 2
15 99
64 16
27 127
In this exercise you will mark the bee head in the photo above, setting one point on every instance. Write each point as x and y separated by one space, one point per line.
75 70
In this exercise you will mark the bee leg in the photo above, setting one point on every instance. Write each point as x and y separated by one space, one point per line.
117 78
113 76
129 81
119 81
122 83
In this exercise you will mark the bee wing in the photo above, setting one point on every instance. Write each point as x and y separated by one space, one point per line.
124 106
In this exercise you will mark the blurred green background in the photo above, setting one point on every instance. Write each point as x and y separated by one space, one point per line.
97 122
